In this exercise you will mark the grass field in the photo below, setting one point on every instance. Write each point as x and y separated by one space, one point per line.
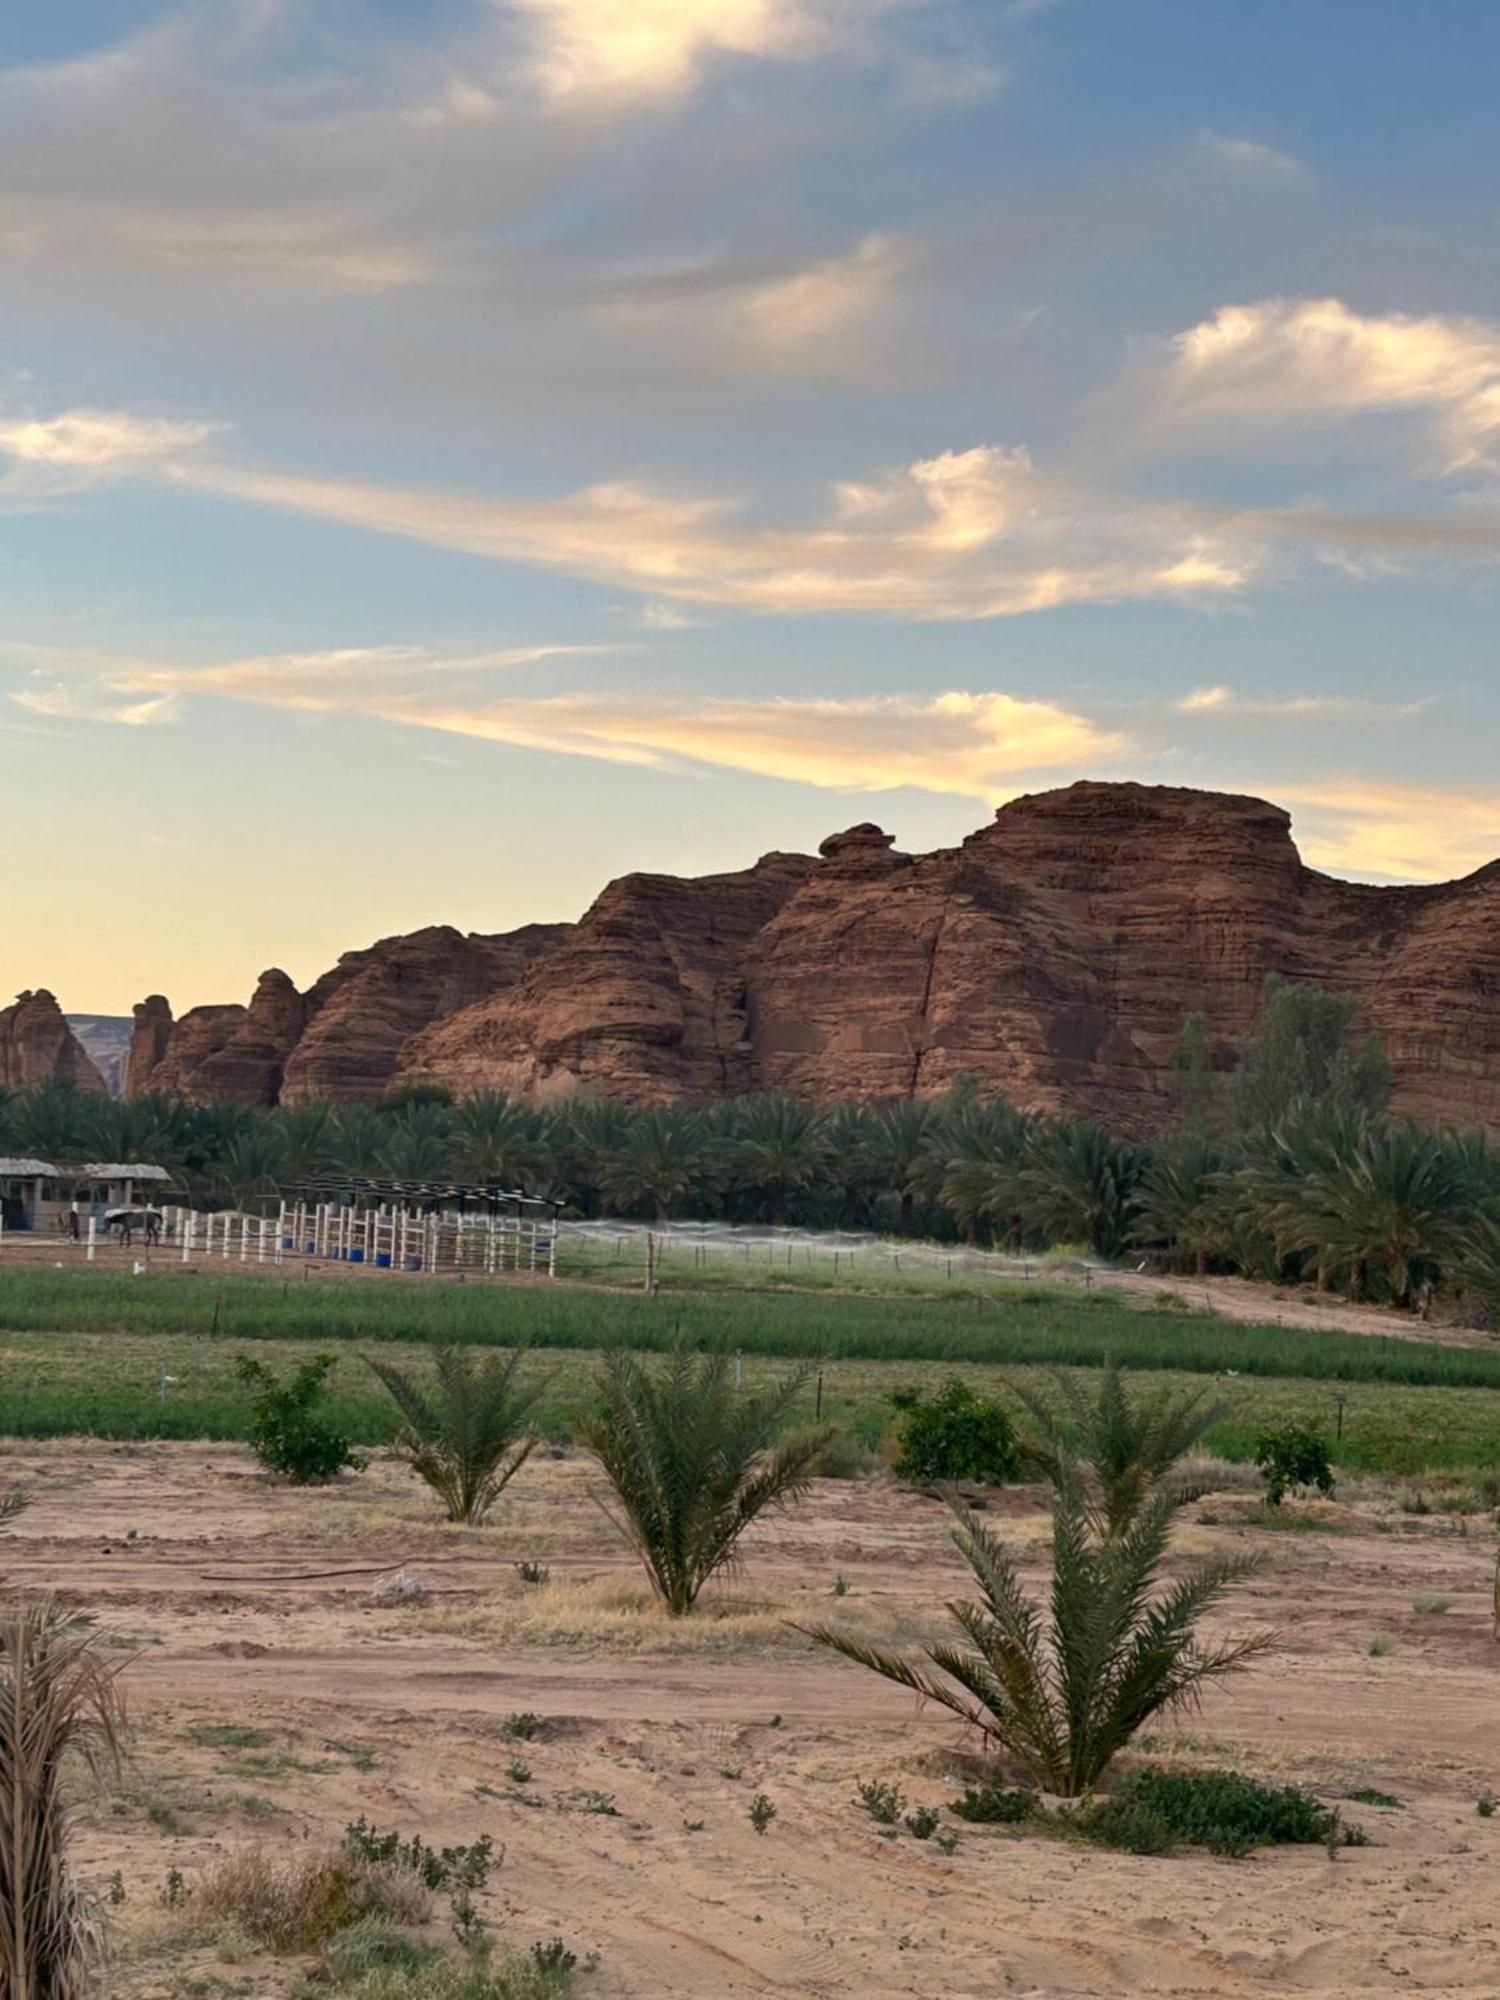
89 1353
1057 1326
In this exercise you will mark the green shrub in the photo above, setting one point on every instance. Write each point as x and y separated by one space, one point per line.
1220 1810
923 1823
884 1803
465 1867
287 1434
955 1435
993 1803
1292 1459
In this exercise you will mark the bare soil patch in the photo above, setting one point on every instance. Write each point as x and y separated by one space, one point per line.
275 1698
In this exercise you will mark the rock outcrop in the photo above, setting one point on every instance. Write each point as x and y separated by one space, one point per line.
1051 955
37 1046
646 997
363 1013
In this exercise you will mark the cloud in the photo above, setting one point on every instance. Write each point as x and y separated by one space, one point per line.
956 742
1249 156
1220 700
964 534
656 47
1291 361
71 704
1407 833
82 447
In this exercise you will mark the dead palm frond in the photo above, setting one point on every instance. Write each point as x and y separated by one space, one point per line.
1063 1694
1129 1444
692 1462
468 1435
57 1695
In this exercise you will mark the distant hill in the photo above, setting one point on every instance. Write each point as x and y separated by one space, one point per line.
106 1040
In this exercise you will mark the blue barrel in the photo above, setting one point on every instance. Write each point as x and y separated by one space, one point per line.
311 1249
286 1242
383 1259
356 1253
412 1264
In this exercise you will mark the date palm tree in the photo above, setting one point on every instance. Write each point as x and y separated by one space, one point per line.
496 1140
467 1433
1077 1182
899 1144
1064 1691
780 1144
665 1157
693 1461
59 1700
1126 1444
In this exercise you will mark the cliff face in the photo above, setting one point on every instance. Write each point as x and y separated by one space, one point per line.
1051 955
38 1046
646 997
363 1013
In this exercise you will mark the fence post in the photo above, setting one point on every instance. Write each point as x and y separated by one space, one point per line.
93 1236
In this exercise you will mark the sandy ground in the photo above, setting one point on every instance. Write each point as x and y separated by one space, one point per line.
196 1567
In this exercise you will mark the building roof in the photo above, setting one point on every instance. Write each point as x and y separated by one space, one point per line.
106 1170
28 1170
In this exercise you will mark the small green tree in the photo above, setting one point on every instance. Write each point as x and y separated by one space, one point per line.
467 1435
287 1433
1292 1459
1064 1693
693 1461
1303 1051
955 1435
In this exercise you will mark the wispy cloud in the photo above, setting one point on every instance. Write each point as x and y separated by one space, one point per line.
1249 156
583 48
969 743
1409 833
966 534
83 447
1226 701
61 702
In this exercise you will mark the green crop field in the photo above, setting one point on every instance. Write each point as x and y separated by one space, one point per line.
114 1356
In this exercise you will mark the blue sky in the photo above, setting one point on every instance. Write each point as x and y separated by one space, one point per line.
454 450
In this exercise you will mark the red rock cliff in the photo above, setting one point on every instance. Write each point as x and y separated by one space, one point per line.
38 1046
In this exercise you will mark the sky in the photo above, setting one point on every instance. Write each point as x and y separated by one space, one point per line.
455 451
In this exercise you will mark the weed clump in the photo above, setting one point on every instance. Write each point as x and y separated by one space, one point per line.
884 1803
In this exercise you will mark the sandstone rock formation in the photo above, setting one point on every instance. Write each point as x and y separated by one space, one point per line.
362 1013
646 997
37 1046
1051 955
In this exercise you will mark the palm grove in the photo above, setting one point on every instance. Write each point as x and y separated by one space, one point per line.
1287 1166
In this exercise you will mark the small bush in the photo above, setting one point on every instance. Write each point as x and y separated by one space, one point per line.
955 1435
523 1725
995 1804
286 1433
923 1823
464 1867
1430 1602
844 1457
484 1973
884 1803
762 1812
1133 1825
1293 1459
1220 1810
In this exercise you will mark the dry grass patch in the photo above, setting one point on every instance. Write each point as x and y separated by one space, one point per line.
619 1614
288 1901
